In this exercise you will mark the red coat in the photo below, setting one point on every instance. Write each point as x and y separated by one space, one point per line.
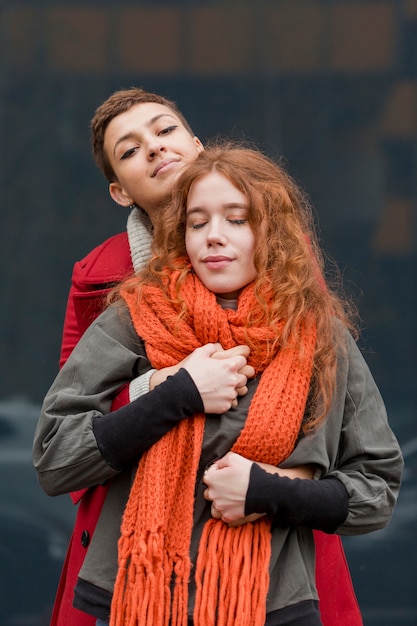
91 280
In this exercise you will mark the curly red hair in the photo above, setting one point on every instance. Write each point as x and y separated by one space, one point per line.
288 258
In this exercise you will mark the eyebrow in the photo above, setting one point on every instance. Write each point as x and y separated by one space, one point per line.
148 124
227 205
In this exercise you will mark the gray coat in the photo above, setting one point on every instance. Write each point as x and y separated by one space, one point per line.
354 444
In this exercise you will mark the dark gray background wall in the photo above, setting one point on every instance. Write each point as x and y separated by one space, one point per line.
330 86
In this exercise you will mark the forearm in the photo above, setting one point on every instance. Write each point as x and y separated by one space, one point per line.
79 449
125 434
319 504
299 471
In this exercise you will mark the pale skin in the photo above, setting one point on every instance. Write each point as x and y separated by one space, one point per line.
147 147
221 246
227 483
219 384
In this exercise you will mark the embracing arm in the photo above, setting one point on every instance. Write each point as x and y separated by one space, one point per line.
369 462
356 451
81 442
241 488
70 446
319 504
196 385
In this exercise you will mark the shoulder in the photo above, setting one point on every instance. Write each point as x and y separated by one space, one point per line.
112 332
116 323
108 263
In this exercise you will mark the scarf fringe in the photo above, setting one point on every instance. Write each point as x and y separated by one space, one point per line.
232 583
153 548
148 574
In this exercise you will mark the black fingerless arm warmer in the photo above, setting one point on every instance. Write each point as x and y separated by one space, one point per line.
318 504
125 434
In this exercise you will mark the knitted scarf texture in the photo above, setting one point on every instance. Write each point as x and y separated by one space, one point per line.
139 233
232 569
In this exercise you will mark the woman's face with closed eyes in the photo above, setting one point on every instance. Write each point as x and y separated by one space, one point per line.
218 238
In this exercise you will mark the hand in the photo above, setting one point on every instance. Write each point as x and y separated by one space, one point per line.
227 483
219 380
247 370
300 471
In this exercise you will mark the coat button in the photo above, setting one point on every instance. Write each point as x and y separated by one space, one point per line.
85 538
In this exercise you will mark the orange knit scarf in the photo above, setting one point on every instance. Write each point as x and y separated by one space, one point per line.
232 570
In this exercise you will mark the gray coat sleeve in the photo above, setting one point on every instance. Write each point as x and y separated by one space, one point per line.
356 445
65 450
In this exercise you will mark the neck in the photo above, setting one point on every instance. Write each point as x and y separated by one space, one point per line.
226 303
153 211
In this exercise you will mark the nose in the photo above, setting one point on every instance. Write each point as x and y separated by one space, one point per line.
215 233
155 146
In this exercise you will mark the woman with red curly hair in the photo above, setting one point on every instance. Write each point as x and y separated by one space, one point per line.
216 529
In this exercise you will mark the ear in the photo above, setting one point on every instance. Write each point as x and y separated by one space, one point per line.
119 195
198 143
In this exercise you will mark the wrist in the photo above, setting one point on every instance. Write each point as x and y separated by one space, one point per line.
159 376
140 385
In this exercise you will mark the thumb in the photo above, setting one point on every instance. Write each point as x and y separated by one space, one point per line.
210 348
224 461
241 350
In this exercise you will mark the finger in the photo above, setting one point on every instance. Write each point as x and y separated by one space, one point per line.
207 481
248 371
235 401
215 512
241 391
211 349
235 351
239 380
224 461
245 520
237 361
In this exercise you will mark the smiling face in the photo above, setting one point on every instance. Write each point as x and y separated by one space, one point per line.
218 239
147 146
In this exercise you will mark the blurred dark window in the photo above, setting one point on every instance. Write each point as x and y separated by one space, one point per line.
329 86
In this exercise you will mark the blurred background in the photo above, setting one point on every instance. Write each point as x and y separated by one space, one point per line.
331 86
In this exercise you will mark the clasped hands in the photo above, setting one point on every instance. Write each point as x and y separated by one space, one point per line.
220 375
227 481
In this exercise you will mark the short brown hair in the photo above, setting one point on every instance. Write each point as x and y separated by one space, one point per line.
120 102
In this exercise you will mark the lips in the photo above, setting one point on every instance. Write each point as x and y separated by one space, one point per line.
217 262
162 165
